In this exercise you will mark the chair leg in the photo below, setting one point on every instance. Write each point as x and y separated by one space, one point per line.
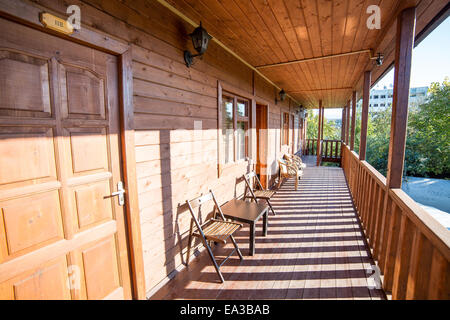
296 183
208 248
271 208
189 244
237 248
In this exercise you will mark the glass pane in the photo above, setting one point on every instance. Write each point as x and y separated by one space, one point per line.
241 144
227 128
242 108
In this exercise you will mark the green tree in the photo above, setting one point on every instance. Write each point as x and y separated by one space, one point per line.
331 128
428 143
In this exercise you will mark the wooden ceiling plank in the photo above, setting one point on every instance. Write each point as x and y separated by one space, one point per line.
280 9
311 18
297 19
268 19
254 17
339 21
326 11
224 27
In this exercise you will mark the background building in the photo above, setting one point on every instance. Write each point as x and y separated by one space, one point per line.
380 98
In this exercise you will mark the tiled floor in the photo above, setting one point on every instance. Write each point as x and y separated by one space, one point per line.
314 249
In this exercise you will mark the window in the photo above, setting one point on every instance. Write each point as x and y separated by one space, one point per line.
285 129
227 128
383 97
241 129
375 97
235 125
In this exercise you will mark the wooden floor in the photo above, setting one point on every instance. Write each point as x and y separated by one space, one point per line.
314 249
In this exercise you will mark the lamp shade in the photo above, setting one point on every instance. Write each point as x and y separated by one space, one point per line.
200 39
282 95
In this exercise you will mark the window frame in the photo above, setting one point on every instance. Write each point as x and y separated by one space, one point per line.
237 118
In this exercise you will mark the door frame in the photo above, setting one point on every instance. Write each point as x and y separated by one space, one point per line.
28 14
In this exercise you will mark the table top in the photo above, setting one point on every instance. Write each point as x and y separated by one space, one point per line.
243 211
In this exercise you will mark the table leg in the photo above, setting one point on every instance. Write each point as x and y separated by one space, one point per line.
266 214
252 238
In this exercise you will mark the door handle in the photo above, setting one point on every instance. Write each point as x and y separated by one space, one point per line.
119 193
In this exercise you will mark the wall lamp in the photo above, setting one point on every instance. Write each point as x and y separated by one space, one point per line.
378 59
200 39
282 95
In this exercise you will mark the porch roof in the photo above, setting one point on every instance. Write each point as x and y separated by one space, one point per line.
315 249
328 41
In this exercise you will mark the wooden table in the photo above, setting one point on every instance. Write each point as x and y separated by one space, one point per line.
247 212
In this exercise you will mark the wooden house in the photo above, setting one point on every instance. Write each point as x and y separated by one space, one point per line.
126 132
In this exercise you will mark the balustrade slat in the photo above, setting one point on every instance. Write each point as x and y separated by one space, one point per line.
373 213
439 286
403 258
379 220
420 265
392 235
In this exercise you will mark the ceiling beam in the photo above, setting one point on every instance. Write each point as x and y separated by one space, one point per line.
314 90
369 51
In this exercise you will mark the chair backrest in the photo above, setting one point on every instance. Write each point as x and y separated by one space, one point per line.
194 203
249 185
283 166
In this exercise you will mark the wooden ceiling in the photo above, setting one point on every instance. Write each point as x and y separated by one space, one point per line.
265 32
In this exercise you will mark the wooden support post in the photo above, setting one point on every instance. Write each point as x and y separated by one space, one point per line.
403 55
323 120
343 124
352 133
347 122
319 134
365 115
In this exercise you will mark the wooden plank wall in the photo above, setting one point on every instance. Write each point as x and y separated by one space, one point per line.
175 120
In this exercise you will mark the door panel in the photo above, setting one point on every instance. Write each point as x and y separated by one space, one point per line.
62 235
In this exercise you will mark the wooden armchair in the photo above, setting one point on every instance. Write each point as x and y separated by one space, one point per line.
257 194
216 230
296 160
289 170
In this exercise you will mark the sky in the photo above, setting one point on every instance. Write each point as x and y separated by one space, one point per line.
431 63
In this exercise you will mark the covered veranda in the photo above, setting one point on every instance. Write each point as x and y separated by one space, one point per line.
315 249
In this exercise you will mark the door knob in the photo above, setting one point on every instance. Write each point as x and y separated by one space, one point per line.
120 193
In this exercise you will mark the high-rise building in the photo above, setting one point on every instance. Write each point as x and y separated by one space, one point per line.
382 98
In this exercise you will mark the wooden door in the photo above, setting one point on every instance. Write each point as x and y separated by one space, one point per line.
261 143
293 134
62 235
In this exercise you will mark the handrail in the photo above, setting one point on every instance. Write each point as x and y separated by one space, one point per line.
438 235
411 248
330 149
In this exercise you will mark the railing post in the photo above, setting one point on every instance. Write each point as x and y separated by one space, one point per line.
352 133
403 56
319 134
365 115
347 122
397 143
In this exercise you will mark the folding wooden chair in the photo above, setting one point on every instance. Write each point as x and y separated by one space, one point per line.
256 194
213 230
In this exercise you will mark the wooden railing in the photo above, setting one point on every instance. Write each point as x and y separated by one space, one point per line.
310 148
411 248
330 149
